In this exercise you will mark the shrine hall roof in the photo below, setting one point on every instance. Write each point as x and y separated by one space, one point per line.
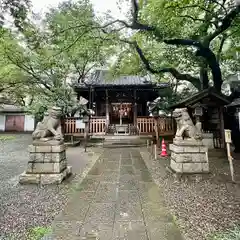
102 78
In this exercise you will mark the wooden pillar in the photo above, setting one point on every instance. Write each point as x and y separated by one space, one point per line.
135 107
96 108
78 96
107 107
93 97
90 97
222 126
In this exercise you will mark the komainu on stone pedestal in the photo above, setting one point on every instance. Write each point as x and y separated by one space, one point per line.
49 131
188 153
47 155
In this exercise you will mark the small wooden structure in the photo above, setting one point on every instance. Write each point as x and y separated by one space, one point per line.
213 117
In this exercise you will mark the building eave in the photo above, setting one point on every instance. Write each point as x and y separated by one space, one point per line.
200 95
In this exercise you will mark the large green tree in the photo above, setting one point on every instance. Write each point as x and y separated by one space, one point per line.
55 59
184 38
13 81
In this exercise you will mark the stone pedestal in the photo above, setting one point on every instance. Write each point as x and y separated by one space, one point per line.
208 140
189 156
47 165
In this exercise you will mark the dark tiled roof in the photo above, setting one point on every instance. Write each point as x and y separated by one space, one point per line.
103 78
200 95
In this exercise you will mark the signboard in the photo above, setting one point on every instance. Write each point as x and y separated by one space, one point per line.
228 138
80 124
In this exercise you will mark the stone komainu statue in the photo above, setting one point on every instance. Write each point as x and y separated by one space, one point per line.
185 126
50 127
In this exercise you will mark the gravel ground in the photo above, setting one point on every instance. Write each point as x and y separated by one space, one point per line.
201 205
25 206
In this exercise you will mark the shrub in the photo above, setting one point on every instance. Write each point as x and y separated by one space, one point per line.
37 233
233 234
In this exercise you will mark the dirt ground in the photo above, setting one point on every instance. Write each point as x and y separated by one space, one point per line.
204 204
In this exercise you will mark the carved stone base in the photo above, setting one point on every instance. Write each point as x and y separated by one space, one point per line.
47 165
47 142
189 156
44 179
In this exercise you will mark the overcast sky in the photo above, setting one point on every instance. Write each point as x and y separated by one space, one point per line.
42 5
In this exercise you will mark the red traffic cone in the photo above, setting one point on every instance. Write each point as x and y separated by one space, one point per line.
164 150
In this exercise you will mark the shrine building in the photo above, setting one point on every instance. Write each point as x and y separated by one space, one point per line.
120 104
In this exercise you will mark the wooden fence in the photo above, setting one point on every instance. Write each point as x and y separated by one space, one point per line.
146 125
97 126
165 125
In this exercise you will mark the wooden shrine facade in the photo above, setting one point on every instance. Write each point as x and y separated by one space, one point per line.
122 101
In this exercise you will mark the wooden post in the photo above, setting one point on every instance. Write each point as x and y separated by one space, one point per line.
155 151
135 107
90 97
86 135
147 143
156 131
107 108
228 141
222 125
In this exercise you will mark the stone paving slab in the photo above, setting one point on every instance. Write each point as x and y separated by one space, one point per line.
129 230
118 200
106 193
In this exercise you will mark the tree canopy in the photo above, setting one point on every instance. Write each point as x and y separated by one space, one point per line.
53 59
16 9
187 39
191 41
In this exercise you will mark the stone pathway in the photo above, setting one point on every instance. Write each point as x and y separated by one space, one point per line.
118 200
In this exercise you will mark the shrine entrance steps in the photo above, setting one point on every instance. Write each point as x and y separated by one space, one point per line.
122 141
122 129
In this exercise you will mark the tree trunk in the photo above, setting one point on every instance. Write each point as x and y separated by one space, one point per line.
204 76
214 66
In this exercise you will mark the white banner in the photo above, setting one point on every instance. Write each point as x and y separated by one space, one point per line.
80 124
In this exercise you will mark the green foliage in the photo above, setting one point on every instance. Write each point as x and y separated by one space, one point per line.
171 96
12 79
188 19
7 137
17 9
55 56
233 234
38 233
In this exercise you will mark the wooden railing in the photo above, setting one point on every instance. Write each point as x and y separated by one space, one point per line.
97 125
165 125
145 124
